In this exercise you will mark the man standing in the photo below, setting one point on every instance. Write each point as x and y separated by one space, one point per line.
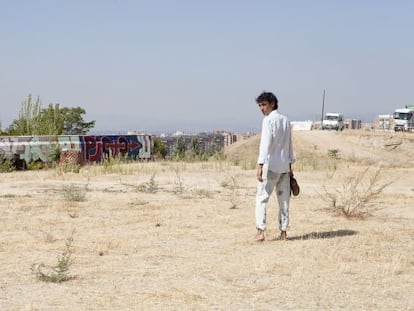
274 165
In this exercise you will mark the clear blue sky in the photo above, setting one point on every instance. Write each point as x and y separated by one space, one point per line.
198 65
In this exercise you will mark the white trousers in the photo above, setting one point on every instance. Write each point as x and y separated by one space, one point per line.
271 180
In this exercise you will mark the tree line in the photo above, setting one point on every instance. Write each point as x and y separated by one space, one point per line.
56 120
52 120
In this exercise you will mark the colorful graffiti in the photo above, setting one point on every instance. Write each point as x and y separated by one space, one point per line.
92 148
28 148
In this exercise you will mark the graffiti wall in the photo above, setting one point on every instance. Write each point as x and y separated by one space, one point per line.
28 148
92 148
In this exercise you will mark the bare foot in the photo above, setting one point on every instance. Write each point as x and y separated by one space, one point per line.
282 236
259 237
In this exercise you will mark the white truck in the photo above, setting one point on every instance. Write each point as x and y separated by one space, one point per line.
404 119
333 121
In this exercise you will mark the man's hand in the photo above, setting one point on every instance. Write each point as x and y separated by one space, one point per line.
260 173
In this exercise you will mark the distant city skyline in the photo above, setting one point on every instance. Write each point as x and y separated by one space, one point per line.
195 66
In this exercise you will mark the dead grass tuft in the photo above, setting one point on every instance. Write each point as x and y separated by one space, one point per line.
73 193
357 195
149 187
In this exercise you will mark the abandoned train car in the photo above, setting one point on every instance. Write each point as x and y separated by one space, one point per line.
88 148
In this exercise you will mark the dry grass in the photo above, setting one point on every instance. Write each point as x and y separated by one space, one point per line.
357 195
61 271
138 250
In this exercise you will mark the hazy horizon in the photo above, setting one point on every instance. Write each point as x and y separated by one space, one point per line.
198 66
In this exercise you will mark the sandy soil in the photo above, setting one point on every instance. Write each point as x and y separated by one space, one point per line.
174 236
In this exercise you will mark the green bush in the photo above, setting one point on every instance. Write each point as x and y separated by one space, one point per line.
35 165
58 273
6 165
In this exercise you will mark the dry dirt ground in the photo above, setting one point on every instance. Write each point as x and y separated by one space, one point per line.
174 236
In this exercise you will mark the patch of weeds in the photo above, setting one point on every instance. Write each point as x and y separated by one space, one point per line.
225 183
149 187
6 165
118 164
334 157
305 162
73 215
9 196
35 165
334 154
60 272
232 186
74 194
67 168
235 161
137 203
203 193
218 164
53 156
357 194
112 164
248 165
178 182
352 158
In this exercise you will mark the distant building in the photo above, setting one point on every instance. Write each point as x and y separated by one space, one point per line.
244 136
353 124
229 138
383 122
302 125
206 141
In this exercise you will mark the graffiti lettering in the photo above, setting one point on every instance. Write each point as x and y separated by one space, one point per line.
93 148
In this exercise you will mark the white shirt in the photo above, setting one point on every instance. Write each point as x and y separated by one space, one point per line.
276 148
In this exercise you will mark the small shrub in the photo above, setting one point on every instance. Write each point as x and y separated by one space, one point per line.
357 194
203 193
307 162
218 155
58 273
179 185
333 154
35 165
160 149
68 168
334 157
232 186
9 196
248 165
75 194
53 156
150 186
116 164
6 165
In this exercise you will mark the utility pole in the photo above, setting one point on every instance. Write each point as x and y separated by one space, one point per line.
323 107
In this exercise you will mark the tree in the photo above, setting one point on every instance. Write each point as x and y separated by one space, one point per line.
160 149
73 123
52 120
180 148
195 149
28 115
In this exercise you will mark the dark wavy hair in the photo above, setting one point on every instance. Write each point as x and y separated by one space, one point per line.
269 97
